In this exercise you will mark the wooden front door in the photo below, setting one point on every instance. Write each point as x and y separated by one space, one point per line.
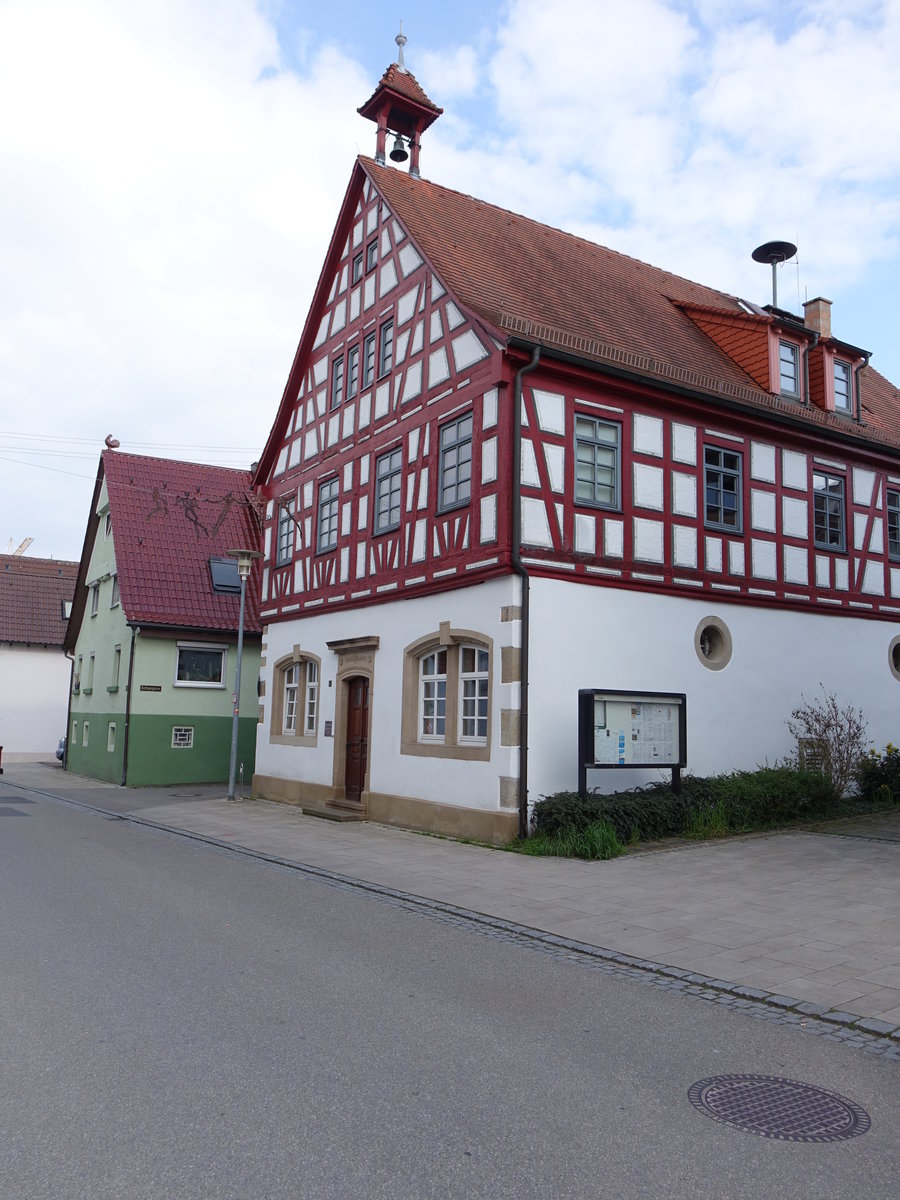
357 749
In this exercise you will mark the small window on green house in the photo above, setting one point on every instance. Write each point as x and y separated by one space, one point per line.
111 736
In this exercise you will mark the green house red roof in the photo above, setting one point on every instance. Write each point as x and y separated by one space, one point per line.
168 519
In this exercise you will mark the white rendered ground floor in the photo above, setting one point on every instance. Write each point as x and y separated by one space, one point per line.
409 712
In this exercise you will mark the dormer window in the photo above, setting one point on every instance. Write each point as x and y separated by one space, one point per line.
789 369
843 394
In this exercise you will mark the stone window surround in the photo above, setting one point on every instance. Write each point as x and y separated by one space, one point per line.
449 640
276 721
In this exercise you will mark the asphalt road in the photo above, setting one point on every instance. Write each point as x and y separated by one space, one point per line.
177 1021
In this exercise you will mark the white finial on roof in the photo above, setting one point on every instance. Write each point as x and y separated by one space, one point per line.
401 42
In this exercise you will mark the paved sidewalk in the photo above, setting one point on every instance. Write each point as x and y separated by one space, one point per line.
808 915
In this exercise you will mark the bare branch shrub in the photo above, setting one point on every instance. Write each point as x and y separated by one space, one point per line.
829 738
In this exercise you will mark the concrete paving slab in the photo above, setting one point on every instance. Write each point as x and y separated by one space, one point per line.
811 914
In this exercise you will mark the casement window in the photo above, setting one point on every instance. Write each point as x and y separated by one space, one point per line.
111 737
446 707
356 273
286 527
76 679
116 668
789 369
893 525
368 360
65 609
329 506
843 395
474 683
371 255
199 664
291 691
433 696
73 741
388 475
107 527
89 682
597 462
455 482
85 733
352 372
386 348
828 511
182 737
722 488
114 599
295 711
337 382
95 599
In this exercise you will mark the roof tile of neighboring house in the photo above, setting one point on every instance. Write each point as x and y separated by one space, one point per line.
528 279
168 518
32 591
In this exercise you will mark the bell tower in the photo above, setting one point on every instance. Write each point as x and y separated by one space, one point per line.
400 107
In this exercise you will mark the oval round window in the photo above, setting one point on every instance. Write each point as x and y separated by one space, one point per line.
712 642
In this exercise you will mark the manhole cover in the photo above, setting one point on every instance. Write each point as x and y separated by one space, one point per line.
779 1108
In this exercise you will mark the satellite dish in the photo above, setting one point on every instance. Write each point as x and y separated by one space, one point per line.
774 253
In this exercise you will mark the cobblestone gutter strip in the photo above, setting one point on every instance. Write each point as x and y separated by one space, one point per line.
873 1036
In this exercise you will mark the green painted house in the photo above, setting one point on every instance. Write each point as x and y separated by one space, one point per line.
154 627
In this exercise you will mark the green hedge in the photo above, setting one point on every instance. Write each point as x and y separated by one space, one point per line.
706 806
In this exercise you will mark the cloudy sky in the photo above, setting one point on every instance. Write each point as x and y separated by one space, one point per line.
171 170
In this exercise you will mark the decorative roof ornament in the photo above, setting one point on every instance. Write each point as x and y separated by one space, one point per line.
401 42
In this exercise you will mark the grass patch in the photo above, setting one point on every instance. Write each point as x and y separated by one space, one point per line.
596 840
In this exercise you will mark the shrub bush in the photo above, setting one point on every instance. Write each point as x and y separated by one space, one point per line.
878 775
706 806
596 840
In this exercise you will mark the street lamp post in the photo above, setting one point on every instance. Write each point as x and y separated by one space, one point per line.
245 562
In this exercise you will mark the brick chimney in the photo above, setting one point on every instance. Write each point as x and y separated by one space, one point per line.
817 316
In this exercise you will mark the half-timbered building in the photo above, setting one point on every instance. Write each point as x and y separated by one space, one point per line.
510 464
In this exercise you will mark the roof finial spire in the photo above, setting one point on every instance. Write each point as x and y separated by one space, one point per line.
401 42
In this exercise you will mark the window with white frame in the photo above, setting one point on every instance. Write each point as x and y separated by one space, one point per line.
76 681
455 484
722 488
446 701
107 527
114 599
843 396
85 733
474 684
285 548
95 599
433 695
199 664
117 664
789 369
291 691
357 269
371 255
111 737
828 511
295 709
388 474
597 461
311 708
893 524
329 509
182 737
89 682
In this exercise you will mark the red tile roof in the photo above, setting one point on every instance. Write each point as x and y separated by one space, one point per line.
32 591
168 518
407 85
526 279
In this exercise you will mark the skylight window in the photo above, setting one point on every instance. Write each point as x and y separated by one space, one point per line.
224 573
